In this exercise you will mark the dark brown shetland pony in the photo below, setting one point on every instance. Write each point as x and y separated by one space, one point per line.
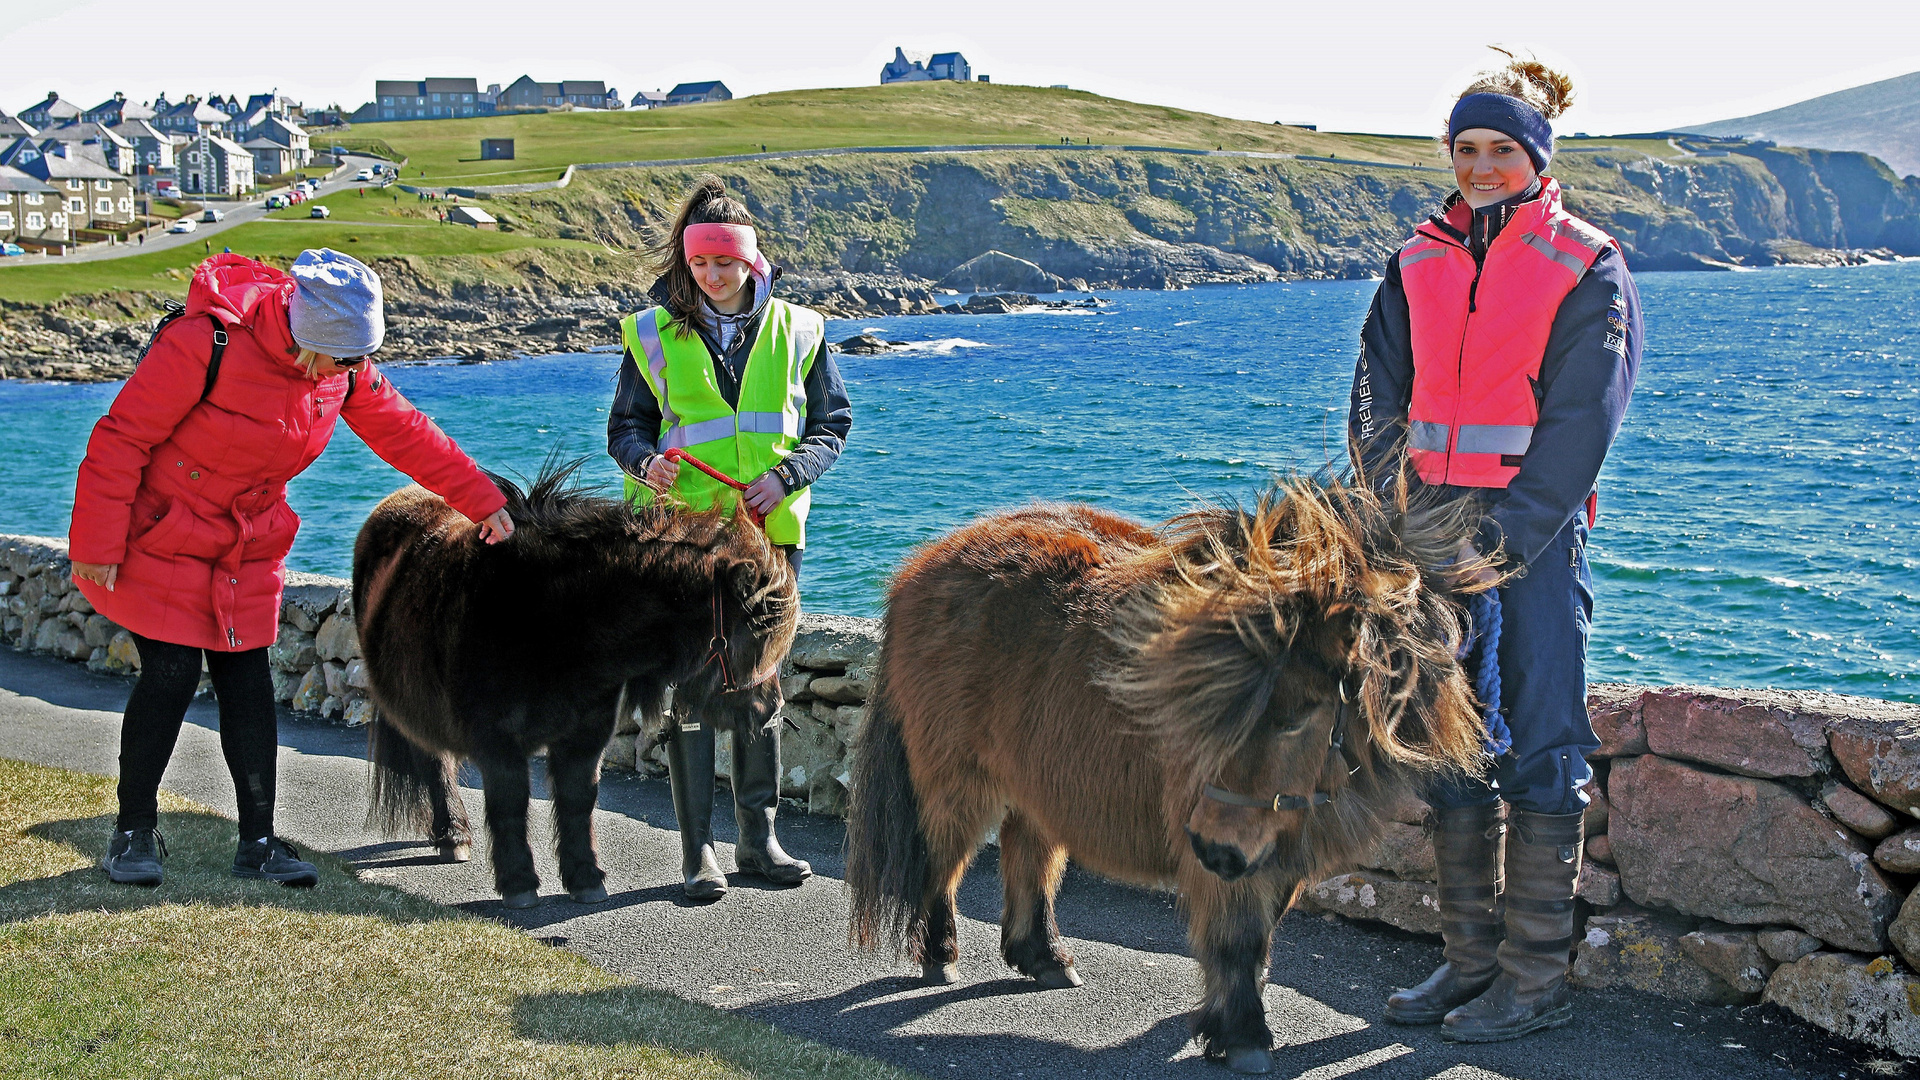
1223 706
495 652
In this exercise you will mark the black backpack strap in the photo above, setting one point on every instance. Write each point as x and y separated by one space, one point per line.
174 309
213 361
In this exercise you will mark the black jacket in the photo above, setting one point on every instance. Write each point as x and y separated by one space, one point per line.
633 424
1586 377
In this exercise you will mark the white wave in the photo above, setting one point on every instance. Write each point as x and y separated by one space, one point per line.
941 346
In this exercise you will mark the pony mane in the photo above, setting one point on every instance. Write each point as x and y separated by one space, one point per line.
1322 569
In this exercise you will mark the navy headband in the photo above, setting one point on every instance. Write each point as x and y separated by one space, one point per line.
1509 116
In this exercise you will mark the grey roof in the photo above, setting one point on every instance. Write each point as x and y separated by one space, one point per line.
648 95
14 127
588 87
452 86
200 111
696 88
56 108
83 131
227 144
396 88
80 162
12 179
946 58
469 215
139 129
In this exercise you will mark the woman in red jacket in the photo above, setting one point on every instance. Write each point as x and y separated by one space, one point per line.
181 525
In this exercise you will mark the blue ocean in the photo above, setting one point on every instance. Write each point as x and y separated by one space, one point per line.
1757 513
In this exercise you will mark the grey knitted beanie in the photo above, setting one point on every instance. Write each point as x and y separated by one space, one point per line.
337 306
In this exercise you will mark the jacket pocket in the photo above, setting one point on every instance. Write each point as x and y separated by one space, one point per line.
167 532
276 539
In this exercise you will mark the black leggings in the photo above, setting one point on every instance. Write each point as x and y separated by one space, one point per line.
249 730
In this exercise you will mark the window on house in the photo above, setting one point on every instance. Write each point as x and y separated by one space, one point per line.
468 97
59 221
33 198
153 157
6 220
103 185
6 198
387 113
36 222
386 101
126 204
78 206
76 185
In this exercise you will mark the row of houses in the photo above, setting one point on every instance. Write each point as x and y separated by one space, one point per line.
455 99
212 146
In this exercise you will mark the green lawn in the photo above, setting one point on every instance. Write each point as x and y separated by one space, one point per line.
358 229
211 976
914 114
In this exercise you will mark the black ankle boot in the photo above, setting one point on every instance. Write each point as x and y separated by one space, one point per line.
1531 992
690 770
756 798
1467 845
273 859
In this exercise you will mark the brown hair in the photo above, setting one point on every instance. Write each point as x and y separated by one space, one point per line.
707 204
1528 79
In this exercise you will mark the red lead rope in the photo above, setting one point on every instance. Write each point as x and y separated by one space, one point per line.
677 454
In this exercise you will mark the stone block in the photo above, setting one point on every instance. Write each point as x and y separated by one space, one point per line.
1899 853
76 602
1877 744
76 620
1857 812
1600 849
835 643
285 683
1870 1001
1753 734
46 634
1905 931
59 578
337 639
828 797
295 651
1745 851
1598 809
356 674
124 649
842 689
723 755
1598 886
332 707
1614 710
619 754
1403 851
1784 946
1638 951
1410 905
308 599
99 630
335 676
33 591
810 753
1731 954
845 720
312 691
359 713
793 686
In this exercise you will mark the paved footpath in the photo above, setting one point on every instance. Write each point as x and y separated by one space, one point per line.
781 955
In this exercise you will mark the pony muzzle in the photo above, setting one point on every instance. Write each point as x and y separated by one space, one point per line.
1227 861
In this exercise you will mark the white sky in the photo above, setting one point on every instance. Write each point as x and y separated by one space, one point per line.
1384 65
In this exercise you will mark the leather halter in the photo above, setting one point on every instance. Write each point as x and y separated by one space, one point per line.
1282 801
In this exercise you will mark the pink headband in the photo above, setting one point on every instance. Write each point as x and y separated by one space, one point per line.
733 241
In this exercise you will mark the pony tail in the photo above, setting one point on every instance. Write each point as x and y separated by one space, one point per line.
887 853
707 203
1543 87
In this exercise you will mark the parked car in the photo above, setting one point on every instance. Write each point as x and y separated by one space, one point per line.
275 202
11 249
363 174
185 224
210 214
320 212
296 196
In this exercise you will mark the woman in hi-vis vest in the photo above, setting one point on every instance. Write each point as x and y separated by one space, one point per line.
1501 349
745 383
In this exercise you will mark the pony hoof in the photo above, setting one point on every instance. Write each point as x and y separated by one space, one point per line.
940 974
1251 1060
595 895
1059 978
520 901
454 852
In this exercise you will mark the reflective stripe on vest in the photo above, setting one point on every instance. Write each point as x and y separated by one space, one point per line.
695 417
1480 332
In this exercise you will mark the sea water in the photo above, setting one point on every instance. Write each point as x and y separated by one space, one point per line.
1757 513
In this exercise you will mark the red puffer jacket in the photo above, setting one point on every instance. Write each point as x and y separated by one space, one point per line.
188 496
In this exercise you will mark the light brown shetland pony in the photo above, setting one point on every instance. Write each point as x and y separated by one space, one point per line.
1224 705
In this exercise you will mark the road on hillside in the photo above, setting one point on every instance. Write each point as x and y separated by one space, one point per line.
239 213
780 955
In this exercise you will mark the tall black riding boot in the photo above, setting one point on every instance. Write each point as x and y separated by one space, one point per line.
1543 866
690 769
1467 846
756 797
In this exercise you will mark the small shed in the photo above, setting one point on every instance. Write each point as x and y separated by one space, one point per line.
496 149
471 215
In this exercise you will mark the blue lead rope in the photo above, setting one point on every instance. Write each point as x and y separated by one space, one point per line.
1483 658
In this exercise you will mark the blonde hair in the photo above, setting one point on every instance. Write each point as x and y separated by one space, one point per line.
308 359
1528 79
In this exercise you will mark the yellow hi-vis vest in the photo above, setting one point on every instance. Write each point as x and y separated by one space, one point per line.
743 442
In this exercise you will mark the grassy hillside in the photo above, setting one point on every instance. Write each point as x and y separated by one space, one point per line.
916 114
1882 119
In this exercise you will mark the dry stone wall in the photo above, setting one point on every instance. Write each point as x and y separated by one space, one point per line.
1742 845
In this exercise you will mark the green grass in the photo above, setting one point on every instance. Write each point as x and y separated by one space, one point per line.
916 114
357 229
210 976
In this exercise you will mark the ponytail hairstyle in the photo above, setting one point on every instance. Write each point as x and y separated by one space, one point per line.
1545 90
707 204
